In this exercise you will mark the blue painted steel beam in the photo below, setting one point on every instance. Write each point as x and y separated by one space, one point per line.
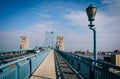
87 69
22 68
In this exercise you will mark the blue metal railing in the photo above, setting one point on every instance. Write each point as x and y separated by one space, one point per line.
86 68
22 68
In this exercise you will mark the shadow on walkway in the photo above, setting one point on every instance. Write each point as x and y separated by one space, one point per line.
63 70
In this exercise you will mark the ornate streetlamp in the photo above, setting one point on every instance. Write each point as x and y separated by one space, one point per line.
91 12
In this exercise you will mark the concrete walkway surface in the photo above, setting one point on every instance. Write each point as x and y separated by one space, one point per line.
46 70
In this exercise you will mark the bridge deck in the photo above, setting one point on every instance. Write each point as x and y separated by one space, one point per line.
46 70
54 67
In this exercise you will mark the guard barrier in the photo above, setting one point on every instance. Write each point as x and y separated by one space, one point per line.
22 68
86 67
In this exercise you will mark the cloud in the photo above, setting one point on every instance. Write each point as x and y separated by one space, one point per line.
75 30
35 33
45 16
75 42
107 23
112 6
77 18
108 30
66 20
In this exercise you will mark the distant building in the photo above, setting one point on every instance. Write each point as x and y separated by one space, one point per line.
115 59
60 43
24 42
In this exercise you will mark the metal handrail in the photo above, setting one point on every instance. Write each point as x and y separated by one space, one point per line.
99 71
22 68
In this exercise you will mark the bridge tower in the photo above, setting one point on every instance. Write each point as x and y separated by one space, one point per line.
24 42
60 43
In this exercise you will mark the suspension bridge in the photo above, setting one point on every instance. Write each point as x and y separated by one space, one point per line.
48 62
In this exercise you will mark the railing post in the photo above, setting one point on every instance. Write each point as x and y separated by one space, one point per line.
91 73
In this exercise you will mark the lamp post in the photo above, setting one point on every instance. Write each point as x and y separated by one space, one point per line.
91 12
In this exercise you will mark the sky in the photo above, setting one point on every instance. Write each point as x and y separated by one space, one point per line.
66 18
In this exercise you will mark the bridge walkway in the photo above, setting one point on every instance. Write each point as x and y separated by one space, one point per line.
54 67
46 70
